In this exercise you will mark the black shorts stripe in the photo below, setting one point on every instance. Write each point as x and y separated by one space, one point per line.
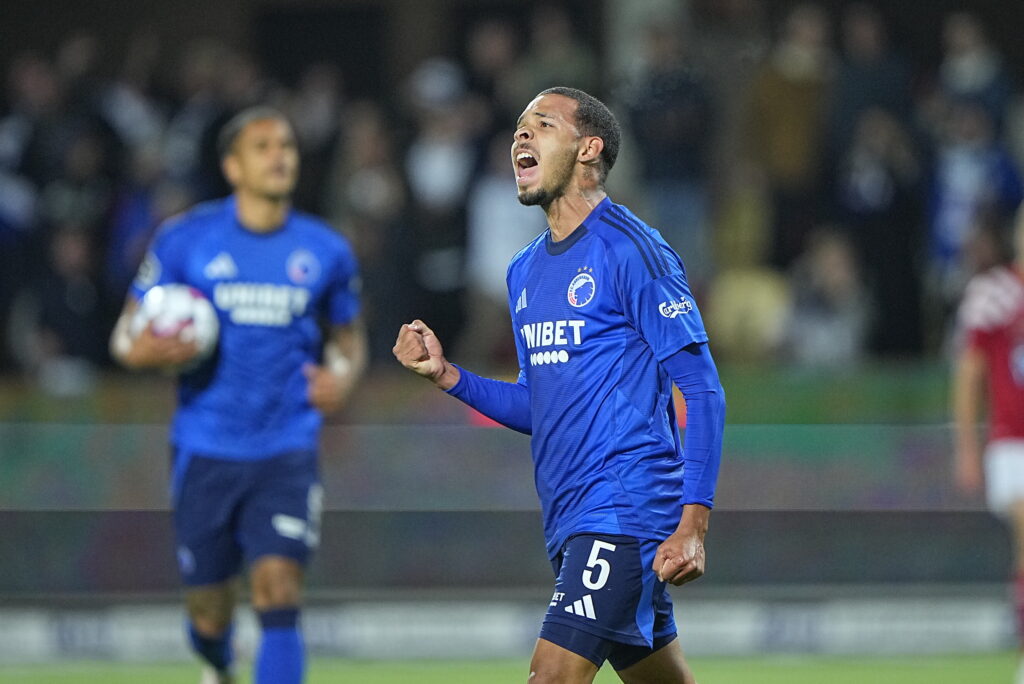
628 233
644 235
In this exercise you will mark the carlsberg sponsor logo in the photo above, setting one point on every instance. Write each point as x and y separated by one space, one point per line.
673 308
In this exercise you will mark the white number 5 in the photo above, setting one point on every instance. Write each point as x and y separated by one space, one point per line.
604 568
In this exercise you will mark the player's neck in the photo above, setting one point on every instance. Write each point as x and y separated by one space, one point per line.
567 212
261 214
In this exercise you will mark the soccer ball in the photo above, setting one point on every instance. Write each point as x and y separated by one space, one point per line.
178 310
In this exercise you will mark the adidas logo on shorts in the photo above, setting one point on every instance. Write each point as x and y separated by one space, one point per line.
583 607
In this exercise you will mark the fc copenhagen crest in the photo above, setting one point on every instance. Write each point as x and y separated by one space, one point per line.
582 288
303 268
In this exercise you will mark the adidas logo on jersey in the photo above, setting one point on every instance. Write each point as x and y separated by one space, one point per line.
221 267
521 302
583 607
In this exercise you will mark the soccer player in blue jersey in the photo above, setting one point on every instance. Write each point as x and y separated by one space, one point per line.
604 324
245 484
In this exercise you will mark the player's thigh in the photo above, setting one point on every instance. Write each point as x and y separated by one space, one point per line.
664 666
207 496
553 664
281 514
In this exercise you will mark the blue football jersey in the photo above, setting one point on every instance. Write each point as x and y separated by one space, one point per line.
270 290
593 315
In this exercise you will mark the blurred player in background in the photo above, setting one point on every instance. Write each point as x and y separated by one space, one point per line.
991 321
245 483
604 322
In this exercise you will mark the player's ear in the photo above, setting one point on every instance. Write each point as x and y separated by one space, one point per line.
590 149
229 166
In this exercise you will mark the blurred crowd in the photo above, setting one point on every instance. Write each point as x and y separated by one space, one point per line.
829 193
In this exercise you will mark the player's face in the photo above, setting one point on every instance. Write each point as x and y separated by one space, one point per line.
264 159
545 149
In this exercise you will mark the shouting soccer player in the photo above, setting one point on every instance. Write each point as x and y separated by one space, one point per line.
604 323
991 319
245 482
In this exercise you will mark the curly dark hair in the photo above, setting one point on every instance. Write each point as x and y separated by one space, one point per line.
594 118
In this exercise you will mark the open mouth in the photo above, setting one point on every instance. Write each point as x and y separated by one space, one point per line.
526 165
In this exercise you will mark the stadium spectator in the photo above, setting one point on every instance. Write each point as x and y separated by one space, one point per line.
367 198
317 108
244 438
491 54
61 319
972 68
144 199
879 198
439 164
196 111
870 75
127 103
555 55
603 319
989 371
973 172
785 126
829 312
671 117
730 40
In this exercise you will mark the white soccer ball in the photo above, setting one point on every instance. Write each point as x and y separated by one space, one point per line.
178 310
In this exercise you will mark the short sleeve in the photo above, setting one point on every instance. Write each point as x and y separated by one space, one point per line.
656 298
665 315
345 286
162 264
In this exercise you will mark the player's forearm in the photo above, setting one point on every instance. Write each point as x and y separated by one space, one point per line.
506 402
347 354
966 400
449 377
694 520
121 343
693 370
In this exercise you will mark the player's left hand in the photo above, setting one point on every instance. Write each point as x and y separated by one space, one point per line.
680 558
327 389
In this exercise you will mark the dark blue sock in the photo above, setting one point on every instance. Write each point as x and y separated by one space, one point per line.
216 651
281 658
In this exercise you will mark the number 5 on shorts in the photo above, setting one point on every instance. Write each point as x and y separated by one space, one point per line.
603 567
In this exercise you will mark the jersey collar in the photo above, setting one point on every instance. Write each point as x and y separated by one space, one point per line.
563 246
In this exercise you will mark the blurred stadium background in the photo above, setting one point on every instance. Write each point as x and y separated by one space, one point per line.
831 172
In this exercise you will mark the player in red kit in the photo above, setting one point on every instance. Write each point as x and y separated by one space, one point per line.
991 357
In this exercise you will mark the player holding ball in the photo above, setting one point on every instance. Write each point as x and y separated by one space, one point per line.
244 482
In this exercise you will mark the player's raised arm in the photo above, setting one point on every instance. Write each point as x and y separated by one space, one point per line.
147 349
418 349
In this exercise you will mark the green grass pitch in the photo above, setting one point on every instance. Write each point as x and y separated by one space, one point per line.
994 668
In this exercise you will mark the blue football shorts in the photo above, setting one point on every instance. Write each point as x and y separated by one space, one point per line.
230 512
608 604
